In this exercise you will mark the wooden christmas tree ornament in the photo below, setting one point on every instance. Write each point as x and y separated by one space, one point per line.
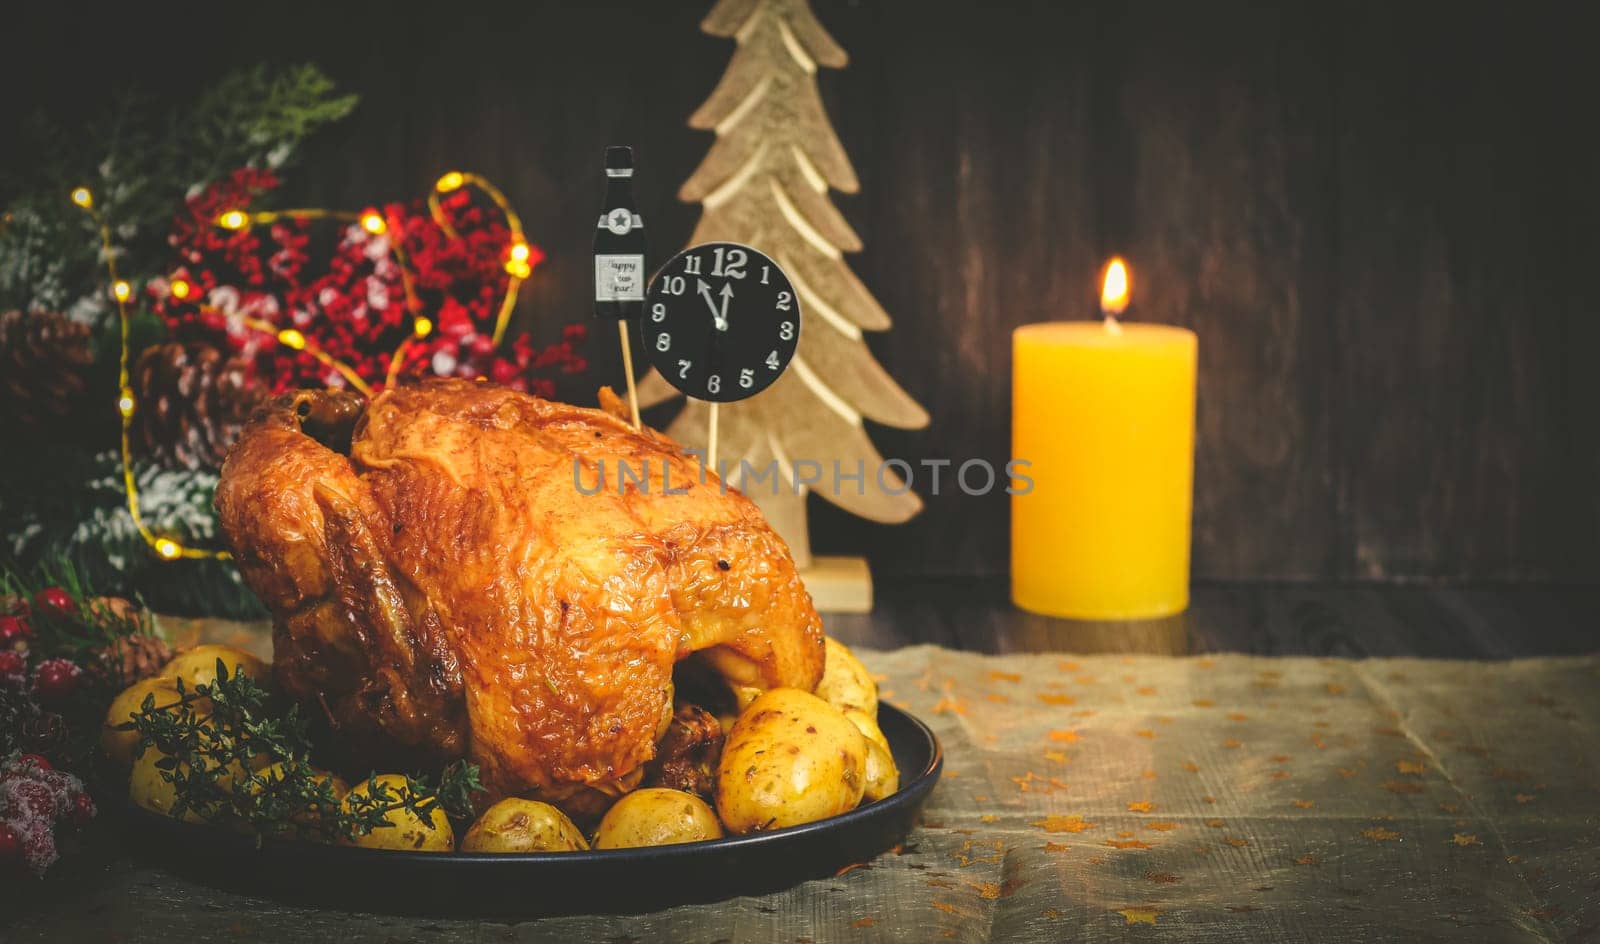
765 184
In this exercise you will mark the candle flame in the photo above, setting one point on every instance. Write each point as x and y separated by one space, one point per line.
1114 288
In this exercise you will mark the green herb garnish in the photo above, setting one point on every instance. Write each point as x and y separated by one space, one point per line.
234 757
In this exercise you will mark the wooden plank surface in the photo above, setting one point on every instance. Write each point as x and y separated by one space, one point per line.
1462 448
1378 218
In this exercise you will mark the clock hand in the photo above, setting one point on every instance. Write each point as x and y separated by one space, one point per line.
717 318
727 293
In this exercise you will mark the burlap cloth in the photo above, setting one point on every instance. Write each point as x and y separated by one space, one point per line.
1224 798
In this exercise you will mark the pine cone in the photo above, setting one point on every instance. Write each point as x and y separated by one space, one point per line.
132 657
191 403
47 383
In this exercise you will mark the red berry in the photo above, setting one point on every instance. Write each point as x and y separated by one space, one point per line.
39 848
82 809
33 797
56 679
36 760
10 843
14 630
56 601
12 662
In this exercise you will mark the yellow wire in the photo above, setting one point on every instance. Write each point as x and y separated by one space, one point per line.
513 223
165 548
310 347
397 359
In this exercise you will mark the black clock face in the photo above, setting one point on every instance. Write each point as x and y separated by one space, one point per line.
721 322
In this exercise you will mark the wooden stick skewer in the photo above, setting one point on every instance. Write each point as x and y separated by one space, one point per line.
627 370
711 439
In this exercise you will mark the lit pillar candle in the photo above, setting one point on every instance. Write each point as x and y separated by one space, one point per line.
1103 413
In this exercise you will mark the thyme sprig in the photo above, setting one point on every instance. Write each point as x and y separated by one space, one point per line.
235 757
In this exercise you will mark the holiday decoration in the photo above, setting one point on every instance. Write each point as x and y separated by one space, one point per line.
193 401
619 262
1102 529
765 184
38 805
64 653
88 222
405 295
228 304
46 379
749 336
734 345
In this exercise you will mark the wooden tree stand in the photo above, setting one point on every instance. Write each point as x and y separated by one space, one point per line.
839 584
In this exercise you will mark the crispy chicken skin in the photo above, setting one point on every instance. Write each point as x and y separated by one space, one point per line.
443 586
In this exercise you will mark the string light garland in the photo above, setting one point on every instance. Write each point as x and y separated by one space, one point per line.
519 262
165 547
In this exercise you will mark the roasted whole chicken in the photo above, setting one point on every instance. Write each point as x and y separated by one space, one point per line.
459 570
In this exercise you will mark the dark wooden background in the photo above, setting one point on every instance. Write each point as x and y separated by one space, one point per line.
1379 218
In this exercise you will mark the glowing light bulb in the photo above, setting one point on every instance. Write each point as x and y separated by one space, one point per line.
519 268
82 197
373 223
449 182
422 327
519 252
121 290
125 403
291 338
180 289
168 548
233 219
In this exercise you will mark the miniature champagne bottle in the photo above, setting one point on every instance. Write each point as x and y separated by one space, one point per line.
619 244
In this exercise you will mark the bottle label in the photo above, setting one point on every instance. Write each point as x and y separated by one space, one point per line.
619 278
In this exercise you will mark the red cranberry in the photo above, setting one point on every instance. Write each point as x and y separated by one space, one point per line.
56 601
12 662
36 760
34 798
82 809
14 631
56 679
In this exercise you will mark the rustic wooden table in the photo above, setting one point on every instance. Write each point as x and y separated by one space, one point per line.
108 895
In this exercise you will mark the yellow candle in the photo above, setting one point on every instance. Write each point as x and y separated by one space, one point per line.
1104 415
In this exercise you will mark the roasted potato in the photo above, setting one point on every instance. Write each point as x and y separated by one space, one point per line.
656 816
273 774
406 831
120 746
198 666
846 683
791 758
147 788
883 777
517 825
